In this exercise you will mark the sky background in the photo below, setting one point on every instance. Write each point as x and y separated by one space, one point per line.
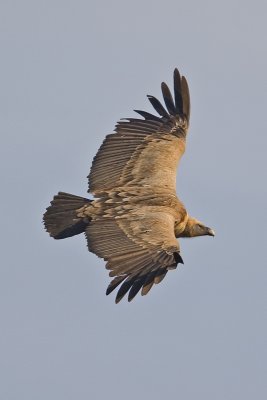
69 71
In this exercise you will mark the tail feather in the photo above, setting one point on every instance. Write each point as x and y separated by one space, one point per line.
61 220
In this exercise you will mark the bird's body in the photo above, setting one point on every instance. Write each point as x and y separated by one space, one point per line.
136 217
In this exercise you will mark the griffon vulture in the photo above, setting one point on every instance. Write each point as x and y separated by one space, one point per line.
135 218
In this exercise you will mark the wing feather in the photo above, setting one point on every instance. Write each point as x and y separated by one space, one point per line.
115 283
186 97
148 116
135 261
178 92
125 287
149 282
168 98
158 106
136 286
134 138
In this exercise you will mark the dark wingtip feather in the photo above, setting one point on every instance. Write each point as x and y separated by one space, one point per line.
161 273
186 97
147 287
168 98
123 290
178 258
177 78
136 287
158 106
149 282
178 91
148 116
114 283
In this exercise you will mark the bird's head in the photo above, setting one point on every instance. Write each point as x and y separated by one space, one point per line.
195 228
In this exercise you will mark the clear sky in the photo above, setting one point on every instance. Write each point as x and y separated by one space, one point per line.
69 71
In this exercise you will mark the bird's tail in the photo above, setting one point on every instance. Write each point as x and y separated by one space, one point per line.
61 218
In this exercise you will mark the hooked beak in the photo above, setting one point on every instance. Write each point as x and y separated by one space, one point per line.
211 232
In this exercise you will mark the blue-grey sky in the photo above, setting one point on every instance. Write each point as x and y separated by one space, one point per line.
69 71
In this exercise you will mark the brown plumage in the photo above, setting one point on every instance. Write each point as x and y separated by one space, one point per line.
136 217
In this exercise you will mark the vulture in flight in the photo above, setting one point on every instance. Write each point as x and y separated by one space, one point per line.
135 219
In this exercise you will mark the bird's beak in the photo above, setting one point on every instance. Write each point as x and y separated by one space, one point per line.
211 232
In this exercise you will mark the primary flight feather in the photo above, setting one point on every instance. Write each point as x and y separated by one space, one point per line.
136 217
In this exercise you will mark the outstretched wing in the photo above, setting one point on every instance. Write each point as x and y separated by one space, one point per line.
139 250
145 151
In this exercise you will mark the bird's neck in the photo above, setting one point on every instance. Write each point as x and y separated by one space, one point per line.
188 228
180 225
